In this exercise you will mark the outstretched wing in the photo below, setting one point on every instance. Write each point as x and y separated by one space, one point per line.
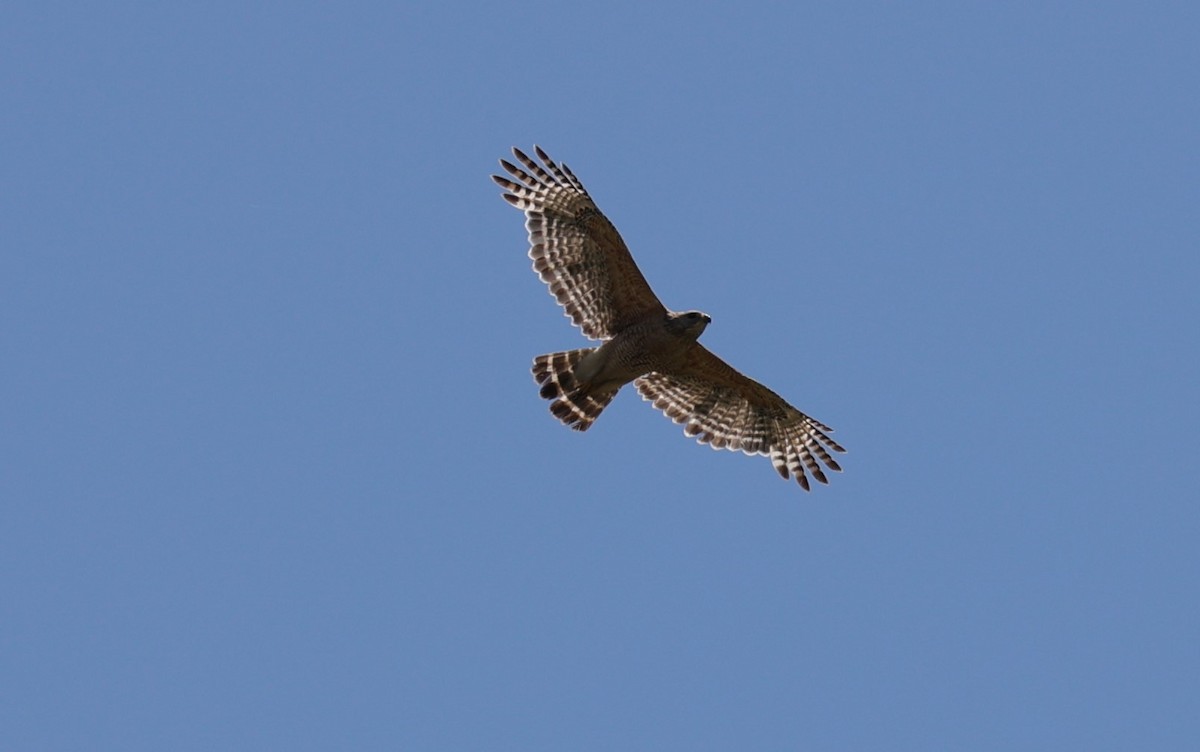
721 407
575 249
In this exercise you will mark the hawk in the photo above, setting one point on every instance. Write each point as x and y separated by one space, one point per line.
578 253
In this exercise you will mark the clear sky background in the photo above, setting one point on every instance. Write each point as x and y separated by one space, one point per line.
274 473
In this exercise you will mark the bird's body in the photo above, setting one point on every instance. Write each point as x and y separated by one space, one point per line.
655 344
585 263
583 382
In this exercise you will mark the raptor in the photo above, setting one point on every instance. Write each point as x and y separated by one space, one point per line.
578 253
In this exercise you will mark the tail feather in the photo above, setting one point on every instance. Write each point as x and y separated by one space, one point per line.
573 403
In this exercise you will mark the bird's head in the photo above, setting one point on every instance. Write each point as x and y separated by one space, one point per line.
689 323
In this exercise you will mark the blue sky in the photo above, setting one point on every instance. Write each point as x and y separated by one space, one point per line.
275 474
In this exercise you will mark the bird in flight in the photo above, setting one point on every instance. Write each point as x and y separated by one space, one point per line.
578 253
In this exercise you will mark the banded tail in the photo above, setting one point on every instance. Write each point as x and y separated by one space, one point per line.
574 404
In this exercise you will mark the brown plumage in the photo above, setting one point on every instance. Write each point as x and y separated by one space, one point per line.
579 254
